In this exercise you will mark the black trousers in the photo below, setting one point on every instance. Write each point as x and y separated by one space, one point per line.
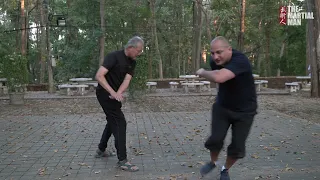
116 124
240 123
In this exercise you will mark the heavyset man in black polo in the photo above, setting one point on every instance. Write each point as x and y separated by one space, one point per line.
235 106
114 77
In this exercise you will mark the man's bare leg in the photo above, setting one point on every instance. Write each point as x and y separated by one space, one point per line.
229 162
214 156
224 171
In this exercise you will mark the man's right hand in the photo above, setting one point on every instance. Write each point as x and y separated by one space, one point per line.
117 96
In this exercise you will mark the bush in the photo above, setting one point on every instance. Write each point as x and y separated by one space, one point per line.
138 86
15 70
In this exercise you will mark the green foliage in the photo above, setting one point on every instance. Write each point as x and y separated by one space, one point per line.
76 46
137 85
15 70
73 63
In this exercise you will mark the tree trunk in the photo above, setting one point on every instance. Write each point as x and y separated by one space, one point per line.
103 31
17 26
242 26
258 57
43 44
313 41
197 22
181 22
49 59
280 57
150 56
179 52
71 31
194 44
156 43
39 47
316 70
151 45
267 55
207 25
23 27
198 60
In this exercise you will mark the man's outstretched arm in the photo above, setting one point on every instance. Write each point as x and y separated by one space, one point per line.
217 76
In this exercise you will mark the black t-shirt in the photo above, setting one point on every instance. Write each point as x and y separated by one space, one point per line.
237 94
118 65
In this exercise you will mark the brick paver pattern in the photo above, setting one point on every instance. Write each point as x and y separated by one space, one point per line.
165 145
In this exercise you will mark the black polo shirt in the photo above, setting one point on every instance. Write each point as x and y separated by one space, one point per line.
118 65
237 94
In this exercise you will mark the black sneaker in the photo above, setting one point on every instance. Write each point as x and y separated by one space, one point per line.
205 169
100 154
224 175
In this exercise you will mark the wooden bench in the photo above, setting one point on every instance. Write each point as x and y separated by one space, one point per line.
73 89
292 87
152 86
206 85
197 85
173 86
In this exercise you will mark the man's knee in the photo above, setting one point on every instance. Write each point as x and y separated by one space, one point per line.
214 144
236 152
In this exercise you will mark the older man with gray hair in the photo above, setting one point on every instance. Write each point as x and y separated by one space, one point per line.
113 79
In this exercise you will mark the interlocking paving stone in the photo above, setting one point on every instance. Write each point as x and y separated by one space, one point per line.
163 144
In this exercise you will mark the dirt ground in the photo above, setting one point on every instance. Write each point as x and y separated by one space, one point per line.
293 105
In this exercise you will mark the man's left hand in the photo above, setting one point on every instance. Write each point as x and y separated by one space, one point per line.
200 72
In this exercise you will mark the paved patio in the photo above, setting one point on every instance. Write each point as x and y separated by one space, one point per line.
165 145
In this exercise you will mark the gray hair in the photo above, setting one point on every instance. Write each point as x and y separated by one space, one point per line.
133 42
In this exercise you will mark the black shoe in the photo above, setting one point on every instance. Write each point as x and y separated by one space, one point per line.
100 154
205 169
224 175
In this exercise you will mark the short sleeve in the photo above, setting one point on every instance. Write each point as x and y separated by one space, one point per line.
238 64
109 61
132 68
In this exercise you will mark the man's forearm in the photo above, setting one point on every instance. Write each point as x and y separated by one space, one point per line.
124 86
210 75
103 82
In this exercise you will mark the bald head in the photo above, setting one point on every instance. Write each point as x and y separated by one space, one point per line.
221 51
221 40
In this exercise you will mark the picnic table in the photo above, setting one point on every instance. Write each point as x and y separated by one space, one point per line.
188 78
258 85
72 89
3 81
292 87
80 80
305 80
197 86
191 81
3 87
